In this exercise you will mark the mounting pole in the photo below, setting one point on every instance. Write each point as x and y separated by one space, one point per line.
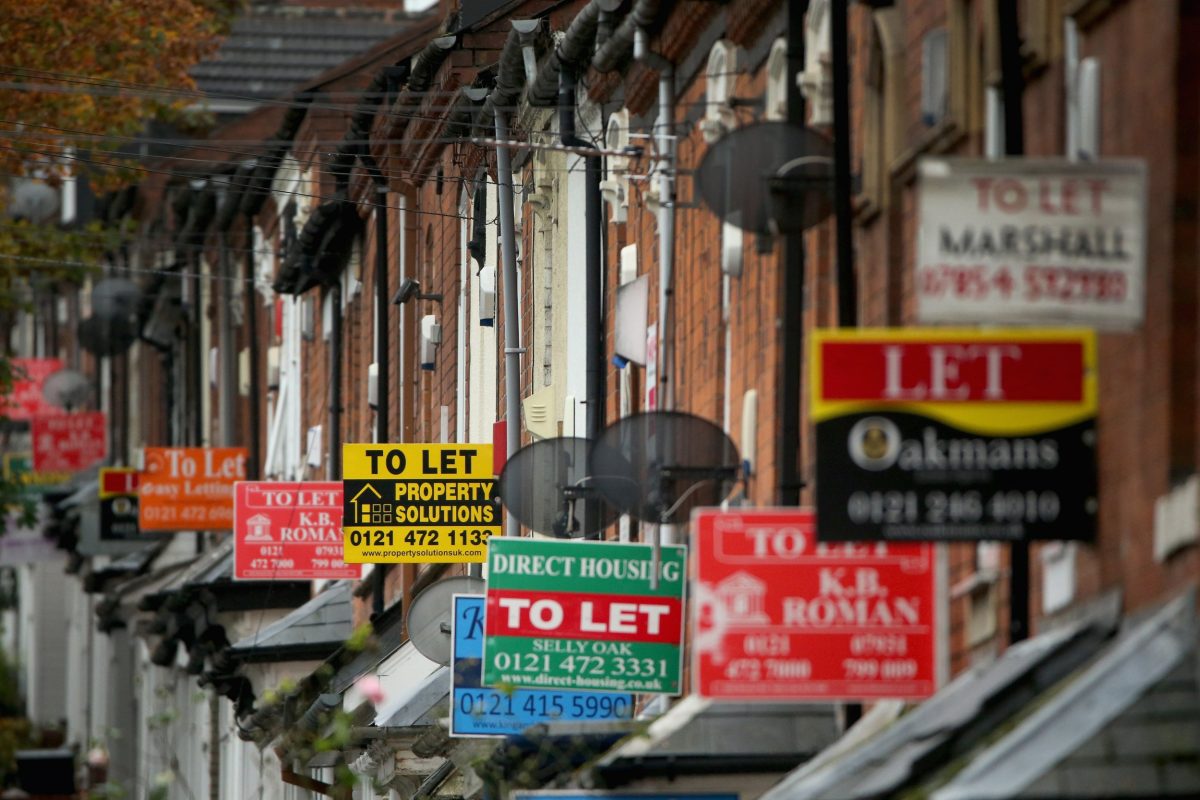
1013 87
847 280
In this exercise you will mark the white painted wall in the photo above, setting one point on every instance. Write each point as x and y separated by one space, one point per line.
482 367
574 266
43 637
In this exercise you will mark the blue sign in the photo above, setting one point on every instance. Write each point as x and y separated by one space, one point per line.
482 711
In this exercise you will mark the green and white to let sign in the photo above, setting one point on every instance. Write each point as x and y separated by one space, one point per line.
582 615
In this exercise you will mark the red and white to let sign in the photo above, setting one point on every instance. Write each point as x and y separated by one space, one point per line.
1031 240
779 616
289 531
69 443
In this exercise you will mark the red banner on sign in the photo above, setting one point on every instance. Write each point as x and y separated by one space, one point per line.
69 443
973 370
26 400
289 531
779 616
573 615
116 481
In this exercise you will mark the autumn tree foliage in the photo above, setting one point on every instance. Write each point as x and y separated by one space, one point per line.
75 72
78 79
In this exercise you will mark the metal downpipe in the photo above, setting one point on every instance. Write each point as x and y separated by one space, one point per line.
382 367
512 330
593 276
334 470
228 361
251 295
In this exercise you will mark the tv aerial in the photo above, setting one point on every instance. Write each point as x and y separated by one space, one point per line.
548 487
431 614
768 178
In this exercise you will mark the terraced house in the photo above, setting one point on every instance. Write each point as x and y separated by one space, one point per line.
504 222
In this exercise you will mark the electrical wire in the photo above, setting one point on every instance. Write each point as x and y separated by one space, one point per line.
397 173
235 184
200 95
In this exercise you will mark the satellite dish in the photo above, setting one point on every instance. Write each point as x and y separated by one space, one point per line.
35 201
547 487
768 178
115 297
659 465
67 389
431 613
107 337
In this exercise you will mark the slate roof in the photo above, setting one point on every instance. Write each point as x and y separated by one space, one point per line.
323 621
1162 730
950 724
271 50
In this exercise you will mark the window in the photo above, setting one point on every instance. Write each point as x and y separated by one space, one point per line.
961 64
816 82
934 84
1083 99
720 78
615 187
778 77
883 136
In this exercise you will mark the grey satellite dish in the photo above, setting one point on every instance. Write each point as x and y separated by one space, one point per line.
67 389
547 487
769 178
431 614
115 297
659 465
108 336
35 201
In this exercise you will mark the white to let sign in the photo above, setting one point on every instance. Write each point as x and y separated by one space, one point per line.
1031 241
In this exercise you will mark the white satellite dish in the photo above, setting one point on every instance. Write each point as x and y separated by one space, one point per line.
431 613
67 389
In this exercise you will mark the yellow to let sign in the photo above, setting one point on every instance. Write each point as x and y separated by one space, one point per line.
418 503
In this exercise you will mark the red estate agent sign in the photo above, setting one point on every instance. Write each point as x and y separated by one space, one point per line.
779 616
26 400
69 443
289 531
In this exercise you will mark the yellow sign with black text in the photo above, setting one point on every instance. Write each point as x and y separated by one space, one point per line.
418 503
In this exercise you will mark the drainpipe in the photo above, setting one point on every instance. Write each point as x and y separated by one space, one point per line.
334 469
665 534
255 378
593 276
382 367
227 380
791 310
195 354
666 210
1013 86
512 331
510 80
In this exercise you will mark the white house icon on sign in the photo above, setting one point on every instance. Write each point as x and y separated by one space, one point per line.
258 529
742 596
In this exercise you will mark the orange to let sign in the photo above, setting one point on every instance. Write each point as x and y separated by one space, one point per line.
189 488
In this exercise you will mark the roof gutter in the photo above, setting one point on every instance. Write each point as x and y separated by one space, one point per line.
617 49
574 51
